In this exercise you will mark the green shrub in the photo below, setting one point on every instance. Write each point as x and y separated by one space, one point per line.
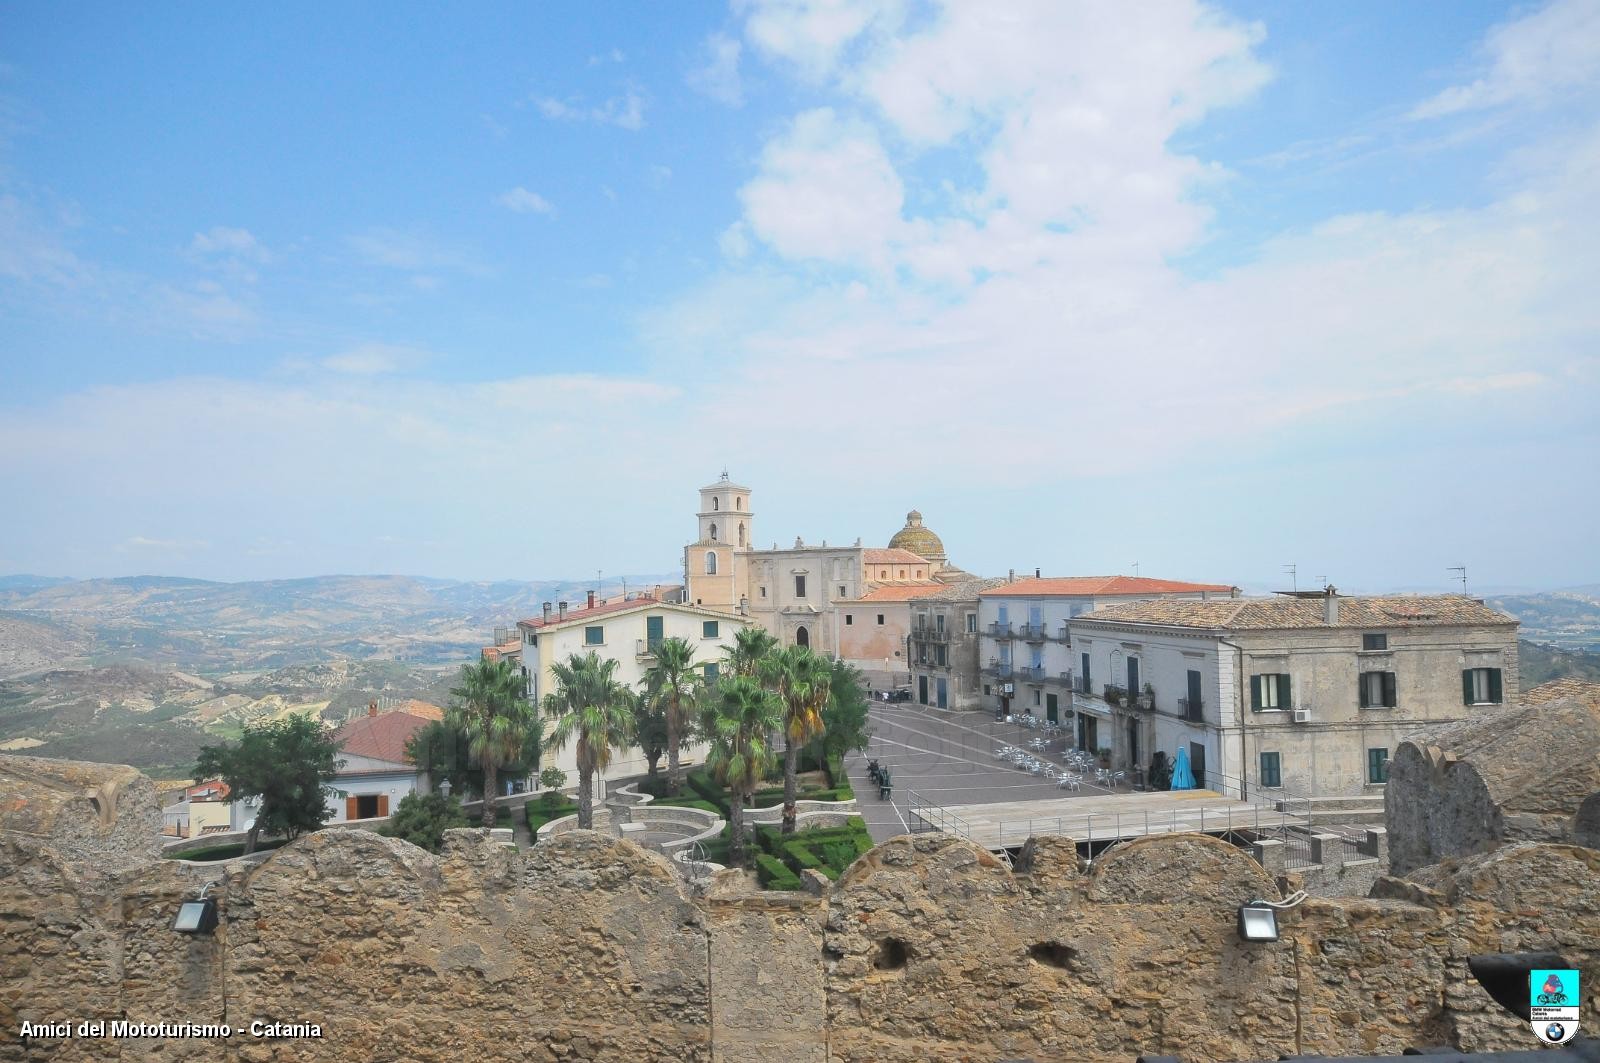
422 819
773 875
687 802
224 852
709 789
539 813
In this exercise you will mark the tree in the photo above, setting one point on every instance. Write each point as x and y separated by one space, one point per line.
740 716
287 764
422 819
844 719
588 705
801 679
649 729
751 646
552 779
491 710
441 751
670 683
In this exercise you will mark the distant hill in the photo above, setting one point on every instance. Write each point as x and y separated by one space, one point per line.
1567 618
1540 663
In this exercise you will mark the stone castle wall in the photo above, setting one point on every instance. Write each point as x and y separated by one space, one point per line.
588 947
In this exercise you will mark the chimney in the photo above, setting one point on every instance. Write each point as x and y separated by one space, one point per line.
372 708
591 599
561 610
547 612
1036 572
1011 575
1330 605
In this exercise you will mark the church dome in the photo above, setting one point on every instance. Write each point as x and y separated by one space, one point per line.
917 539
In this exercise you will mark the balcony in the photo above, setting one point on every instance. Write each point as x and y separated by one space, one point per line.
998 630
1033 632
1000 669
1033 674
1192 710
930 634
1059 635
1064 679
648 647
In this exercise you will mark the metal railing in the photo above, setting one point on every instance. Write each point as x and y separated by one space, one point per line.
999 630
649 647
1061 678
1032 673
924 815
1032 632
930 634
997 668
1193 709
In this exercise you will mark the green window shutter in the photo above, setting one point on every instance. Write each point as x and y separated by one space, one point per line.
1284 701
1255 693
1361 690
1466 686
1494 685
1388 690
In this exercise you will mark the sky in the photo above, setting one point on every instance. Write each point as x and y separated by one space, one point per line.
490 292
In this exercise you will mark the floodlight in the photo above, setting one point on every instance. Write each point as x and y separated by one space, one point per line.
1258 922
196 917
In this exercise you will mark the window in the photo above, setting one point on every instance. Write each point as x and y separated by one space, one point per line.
1087 682
713 533
716 504
919 573
708 629
902 573
939 654
1377 690
711 672
883 573
799 586
741 533
972 623
738 503
849 619
1377 766
711 563
1374 642
594 636
1481 686
1269 691
986 690
1271 769
1036 696
880 619
938 623
841 590
763 592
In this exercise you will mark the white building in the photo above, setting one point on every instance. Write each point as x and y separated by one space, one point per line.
1026 657
374 774
1308 693
625 630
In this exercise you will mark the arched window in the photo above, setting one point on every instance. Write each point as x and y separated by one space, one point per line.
802 637
711 562
716 503
741 533
738 503
713 533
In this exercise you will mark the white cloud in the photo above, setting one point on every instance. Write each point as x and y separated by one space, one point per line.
234 243
1535 59
812 35
394 249
523 201
370 359
717 75
625 111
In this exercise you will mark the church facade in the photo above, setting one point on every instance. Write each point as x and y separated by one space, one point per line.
841 601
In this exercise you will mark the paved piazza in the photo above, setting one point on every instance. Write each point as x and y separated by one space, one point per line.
948 758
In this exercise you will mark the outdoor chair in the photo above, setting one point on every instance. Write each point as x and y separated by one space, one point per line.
1068 781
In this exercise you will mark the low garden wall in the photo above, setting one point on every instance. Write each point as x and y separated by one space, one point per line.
774 813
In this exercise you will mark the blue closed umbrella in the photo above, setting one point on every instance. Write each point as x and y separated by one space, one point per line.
1182 777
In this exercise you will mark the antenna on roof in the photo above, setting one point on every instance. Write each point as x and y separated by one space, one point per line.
1460 574
1294 578
1136 570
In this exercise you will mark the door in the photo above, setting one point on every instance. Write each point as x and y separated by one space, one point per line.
1197 764
1133 743
1133 677
941 691
802 637
1052 708
653 632
1194 694
922 690
1091 728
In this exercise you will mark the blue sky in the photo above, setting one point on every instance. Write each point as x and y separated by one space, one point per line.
1209 287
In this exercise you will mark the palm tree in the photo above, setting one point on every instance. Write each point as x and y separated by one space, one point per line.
751 646
740 716
492 711
801 679
670 682
588 703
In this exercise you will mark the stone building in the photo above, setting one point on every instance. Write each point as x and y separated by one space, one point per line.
944 645
811 594
1526 774
375 774
587 947
1027 657
1310 693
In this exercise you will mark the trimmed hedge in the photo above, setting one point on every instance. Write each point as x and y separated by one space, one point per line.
687 802
538 813
773 875
224 852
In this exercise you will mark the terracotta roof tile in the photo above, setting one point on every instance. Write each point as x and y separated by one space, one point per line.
1568 686
381 737
600 609
1286 612
873 555
425 709
1089 586
901 592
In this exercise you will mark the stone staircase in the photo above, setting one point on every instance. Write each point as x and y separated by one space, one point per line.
1366 810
